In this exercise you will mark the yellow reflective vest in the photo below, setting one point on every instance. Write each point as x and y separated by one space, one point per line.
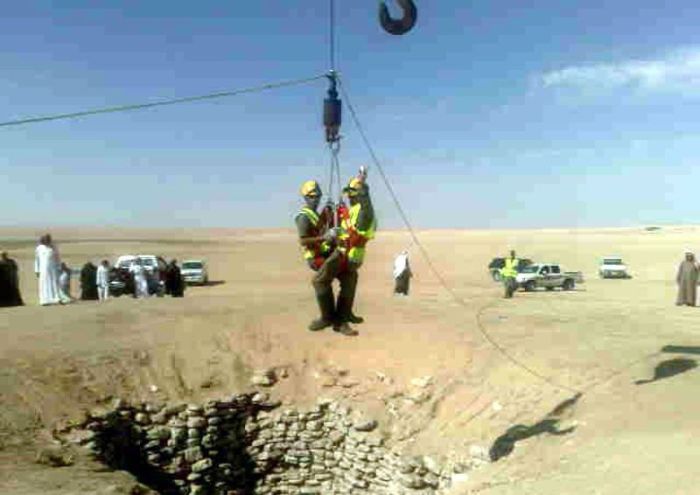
322 249
348 235
510 269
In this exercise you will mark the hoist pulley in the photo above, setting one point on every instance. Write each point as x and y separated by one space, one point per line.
332 110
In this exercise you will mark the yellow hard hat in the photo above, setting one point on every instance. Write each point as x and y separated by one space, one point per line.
310 188
353 187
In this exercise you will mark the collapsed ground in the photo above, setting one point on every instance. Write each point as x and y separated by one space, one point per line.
419 367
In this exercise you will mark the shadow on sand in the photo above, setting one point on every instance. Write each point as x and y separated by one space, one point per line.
504 445
669 368
210 283
681 349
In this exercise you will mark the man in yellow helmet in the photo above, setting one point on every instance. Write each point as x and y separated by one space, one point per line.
508 274
358 225
318 243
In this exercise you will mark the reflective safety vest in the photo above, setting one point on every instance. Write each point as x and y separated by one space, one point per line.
318 251
352 240
510 269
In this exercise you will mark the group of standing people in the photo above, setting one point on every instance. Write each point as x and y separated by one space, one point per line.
94 281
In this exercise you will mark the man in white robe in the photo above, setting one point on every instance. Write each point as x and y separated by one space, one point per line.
46 269
102 281
402 274
140 281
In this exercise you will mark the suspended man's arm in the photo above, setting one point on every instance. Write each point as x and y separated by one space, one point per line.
366 216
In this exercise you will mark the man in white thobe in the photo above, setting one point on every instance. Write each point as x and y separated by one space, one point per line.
140 281
402 274
46 269
102 281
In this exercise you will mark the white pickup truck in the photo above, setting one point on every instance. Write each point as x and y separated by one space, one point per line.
613 267
548 276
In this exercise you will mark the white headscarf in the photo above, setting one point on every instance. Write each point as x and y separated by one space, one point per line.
400 264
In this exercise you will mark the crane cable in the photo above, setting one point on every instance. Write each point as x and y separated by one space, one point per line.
174 101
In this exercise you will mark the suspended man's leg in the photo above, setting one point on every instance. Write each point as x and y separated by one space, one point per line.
323 286
346 298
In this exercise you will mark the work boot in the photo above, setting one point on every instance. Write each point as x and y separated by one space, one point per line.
355 319
345 329
327 306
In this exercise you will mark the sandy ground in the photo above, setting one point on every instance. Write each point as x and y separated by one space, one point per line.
617 437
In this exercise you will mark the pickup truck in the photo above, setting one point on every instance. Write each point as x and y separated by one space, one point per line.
613 267
549 276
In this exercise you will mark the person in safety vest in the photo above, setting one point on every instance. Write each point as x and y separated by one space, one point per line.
317 238
357 228
508 274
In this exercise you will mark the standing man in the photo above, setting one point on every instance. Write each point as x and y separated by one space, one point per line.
138 274
88 284
174 285
358 225
13 293
102 280
64 283
508 274
402 274
46 269
687 280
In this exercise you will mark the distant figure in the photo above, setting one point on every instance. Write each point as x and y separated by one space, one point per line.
508 274
402 274
174 285
687 280
140 281
46 269
88 286
10 278
64 282
102 280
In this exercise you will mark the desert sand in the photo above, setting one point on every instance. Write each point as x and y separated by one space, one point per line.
618 437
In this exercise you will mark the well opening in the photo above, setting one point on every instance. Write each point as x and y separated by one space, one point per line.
247 445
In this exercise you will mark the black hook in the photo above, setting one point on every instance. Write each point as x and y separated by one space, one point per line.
400 26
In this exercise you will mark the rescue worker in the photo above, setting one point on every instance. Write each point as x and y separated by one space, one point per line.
317 242
508 274
358 225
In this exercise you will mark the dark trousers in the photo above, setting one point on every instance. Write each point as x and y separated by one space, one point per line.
346 273
510 286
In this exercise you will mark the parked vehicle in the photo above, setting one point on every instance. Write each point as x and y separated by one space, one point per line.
194 272
121 280
613 267
498 263
549 276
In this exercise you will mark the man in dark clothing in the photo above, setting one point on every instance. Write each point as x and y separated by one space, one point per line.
9 282
174 285
88 282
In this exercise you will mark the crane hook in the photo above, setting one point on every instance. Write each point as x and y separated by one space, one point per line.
398 26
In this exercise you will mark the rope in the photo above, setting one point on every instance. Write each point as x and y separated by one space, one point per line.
175 101
435 271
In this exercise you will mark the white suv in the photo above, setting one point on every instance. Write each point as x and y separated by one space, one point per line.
195 272
613 267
